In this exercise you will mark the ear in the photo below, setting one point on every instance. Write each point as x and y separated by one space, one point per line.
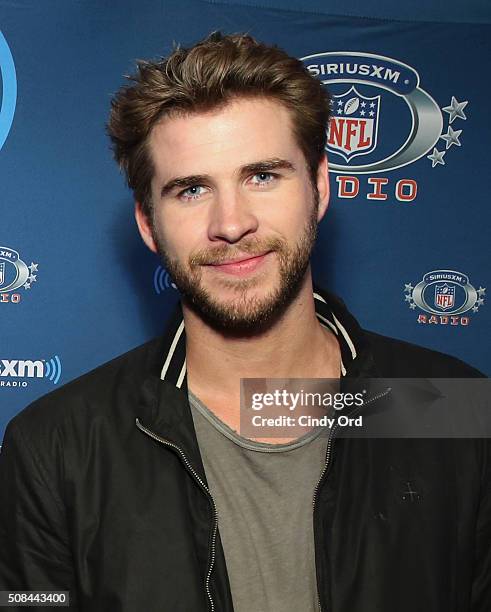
144 227
323 186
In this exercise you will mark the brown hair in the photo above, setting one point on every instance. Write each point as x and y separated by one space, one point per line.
204 77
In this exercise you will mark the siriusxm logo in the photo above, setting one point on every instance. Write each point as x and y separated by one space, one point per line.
382 119
446 295
15 275
353 128
162 280
28 368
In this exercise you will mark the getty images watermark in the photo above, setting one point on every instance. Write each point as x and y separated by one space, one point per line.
374 408
305 408
290 408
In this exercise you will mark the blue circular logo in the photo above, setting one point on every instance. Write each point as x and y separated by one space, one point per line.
9 90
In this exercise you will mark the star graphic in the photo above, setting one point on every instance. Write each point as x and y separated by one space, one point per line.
340 111
436 157
480 302
481 291
408 298
475 309
33 267
456 109
412 306
452 138
331 102
408 287
32 278
372 104
363 104
371 113
340 103
362 113
27 286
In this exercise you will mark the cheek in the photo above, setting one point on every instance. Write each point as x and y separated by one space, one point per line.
295 210
179 233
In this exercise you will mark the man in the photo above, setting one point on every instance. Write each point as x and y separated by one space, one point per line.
132 487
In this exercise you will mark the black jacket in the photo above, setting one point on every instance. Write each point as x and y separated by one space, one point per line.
104 494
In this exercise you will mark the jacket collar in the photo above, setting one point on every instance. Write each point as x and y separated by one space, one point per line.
164 406
331 312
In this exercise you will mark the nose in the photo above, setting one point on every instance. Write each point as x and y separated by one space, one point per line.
231 216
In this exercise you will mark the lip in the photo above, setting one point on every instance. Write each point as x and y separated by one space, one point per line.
241 266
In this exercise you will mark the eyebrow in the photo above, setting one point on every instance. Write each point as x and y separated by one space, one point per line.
265 165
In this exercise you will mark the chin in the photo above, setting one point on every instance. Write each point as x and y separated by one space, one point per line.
241 312
240 293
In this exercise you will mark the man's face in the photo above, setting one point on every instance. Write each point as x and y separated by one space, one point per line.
234 211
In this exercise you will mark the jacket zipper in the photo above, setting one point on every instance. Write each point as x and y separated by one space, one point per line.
328 457
198 479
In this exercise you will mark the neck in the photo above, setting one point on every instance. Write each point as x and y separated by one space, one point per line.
296 346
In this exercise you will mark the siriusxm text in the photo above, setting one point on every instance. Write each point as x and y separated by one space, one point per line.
21 368
368 70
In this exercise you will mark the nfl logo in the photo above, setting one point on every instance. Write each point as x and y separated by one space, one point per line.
2 273
353 126
444 296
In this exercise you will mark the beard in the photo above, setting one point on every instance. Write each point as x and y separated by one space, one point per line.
243 314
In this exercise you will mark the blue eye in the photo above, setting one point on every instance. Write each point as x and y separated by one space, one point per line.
264 178
192 193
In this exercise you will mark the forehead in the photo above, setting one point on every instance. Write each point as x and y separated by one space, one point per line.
243 131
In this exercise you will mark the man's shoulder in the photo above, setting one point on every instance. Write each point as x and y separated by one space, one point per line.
394 358
399 358
118 381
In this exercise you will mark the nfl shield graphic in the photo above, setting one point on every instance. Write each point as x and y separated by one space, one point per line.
353 125
444 296
2 273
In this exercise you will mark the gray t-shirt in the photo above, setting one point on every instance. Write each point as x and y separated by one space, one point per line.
263 493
